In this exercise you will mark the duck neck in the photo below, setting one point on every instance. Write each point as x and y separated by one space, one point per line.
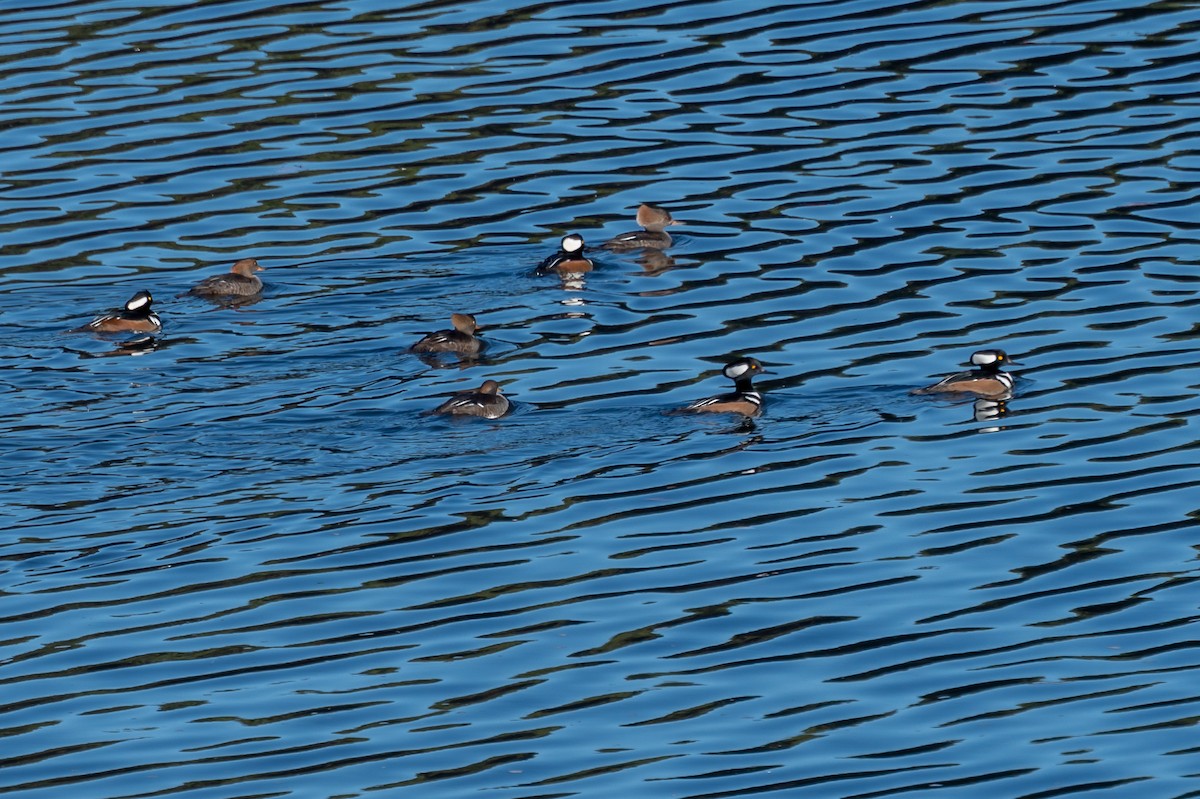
744 385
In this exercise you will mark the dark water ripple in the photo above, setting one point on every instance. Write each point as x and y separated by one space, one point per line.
243 563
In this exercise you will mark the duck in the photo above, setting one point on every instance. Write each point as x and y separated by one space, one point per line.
744 399
461 339
652 236
239 281
486 401
989 380
569 259
136 316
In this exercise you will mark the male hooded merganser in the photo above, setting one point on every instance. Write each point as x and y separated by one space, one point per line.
461 339
136 316
986 381
487 402
653 220
239 281
569 259
744 399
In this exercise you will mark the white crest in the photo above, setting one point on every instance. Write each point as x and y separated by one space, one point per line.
572 243
984 357
736 370
137 302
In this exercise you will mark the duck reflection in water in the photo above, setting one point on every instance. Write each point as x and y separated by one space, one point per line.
655 262
141 345
989 410
137 346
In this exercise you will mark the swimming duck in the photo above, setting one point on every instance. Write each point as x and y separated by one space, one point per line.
461 339
986 381
652 219
486 401
239 281
136 316
744 399
569 259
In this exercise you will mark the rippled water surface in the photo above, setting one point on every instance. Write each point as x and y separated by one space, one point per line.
242 561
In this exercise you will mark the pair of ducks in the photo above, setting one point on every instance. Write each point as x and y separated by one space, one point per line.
570 258
138 316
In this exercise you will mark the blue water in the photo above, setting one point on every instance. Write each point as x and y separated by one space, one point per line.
242 561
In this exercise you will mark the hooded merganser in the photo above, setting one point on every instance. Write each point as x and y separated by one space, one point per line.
652 219
136 316
986 381
569 258
744 399
239 281
486 401
461 339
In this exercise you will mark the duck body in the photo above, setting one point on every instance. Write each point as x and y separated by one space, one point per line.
651 237
136 316
239 281
989 380
569 259
486 402
461 339
745 399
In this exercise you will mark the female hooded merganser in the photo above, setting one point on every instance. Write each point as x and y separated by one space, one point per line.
136 316
653 220
744 399
487 402
986 381
239 281
569 258
461 339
